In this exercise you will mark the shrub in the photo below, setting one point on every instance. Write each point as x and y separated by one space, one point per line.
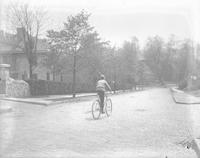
43 87
183 84
17 88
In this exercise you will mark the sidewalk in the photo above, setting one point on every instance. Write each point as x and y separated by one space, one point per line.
180 97
55 99
183 98
49 100
4 108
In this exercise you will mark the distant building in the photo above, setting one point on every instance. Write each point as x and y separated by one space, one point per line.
11 53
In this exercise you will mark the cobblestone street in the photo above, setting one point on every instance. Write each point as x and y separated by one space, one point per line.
143 124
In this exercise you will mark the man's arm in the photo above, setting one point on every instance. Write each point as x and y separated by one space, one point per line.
108 86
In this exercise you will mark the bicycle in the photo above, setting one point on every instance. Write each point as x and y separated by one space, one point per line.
96 107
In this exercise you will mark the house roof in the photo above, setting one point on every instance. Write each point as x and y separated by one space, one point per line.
4 47
9 44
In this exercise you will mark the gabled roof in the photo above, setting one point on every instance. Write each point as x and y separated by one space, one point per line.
9 43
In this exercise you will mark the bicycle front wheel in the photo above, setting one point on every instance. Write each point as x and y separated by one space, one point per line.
108 107
96 110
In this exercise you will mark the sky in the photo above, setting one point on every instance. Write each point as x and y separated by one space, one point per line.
119 20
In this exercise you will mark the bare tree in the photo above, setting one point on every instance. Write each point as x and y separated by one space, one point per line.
30 22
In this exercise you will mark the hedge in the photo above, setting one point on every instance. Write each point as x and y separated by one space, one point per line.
43 87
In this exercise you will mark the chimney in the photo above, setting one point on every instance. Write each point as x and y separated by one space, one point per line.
20 31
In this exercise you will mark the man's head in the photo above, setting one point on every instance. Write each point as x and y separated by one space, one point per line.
102 77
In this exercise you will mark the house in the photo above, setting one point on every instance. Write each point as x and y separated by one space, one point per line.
11 53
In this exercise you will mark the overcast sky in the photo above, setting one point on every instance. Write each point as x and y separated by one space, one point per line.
119 20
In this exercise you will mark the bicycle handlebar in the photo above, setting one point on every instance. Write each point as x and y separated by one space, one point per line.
109 92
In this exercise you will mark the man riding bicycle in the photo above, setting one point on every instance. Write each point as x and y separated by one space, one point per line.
101 89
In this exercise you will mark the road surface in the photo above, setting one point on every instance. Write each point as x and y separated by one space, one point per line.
145 124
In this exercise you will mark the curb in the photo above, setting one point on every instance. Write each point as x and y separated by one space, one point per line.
196 142
177 96
24 101
48 103
173 90
67 100
197 149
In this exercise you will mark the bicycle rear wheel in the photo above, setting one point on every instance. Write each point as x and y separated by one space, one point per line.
96 109
108 107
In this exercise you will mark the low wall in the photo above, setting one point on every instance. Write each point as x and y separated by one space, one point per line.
17 88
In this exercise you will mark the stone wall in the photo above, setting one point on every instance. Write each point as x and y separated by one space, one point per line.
17 88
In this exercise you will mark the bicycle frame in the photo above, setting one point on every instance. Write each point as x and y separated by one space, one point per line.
105 97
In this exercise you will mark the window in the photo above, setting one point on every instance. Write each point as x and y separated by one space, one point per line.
48 76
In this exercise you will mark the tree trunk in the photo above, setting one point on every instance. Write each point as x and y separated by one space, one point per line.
74 77
30 70
115 78
61 78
